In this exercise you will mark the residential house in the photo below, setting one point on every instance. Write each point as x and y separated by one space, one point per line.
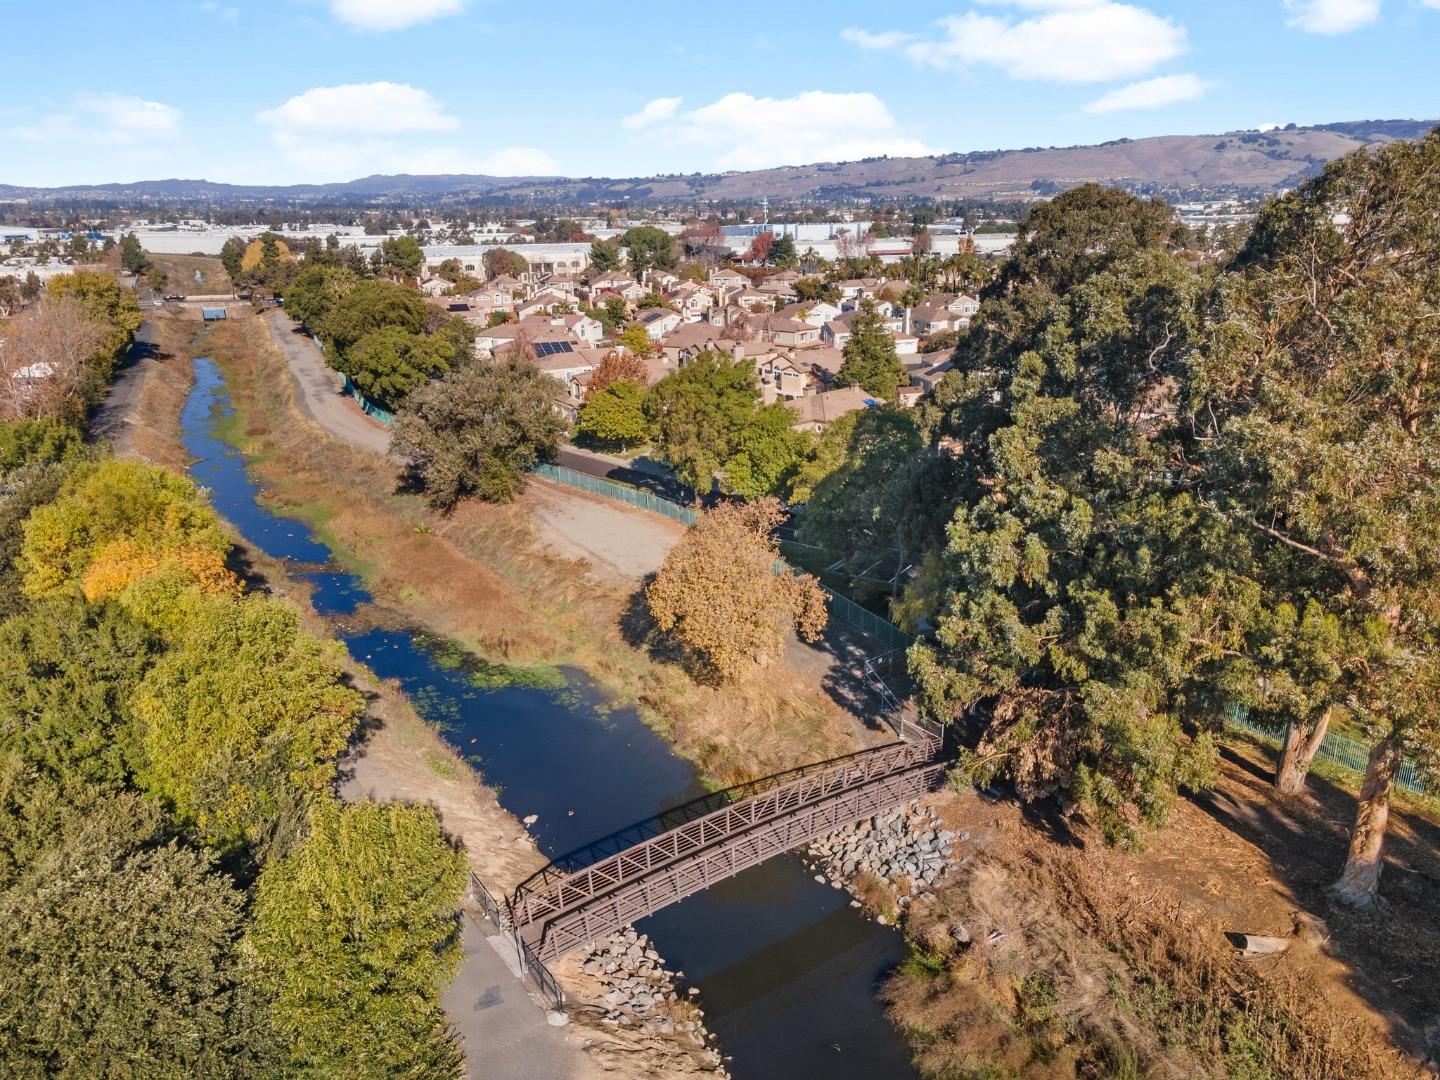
691 300
783 377
658 321
725 278
788 332
542 302
691 339
754 300
816 312
543 332
815 412
942 312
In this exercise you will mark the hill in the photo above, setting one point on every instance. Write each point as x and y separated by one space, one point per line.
1241 162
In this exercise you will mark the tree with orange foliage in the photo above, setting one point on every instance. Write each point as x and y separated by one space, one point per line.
615 367
719 597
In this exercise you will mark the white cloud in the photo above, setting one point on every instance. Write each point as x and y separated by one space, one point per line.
1332 16
518 161
1068 41
378 108
1151 94
107 119
886 39
392 14
341 132
659 109
754 133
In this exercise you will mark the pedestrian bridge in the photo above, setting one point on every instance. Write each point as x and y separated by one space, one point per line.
591 893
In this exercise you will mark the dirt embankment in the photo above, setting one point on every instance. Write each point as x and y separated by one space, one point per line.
1050 955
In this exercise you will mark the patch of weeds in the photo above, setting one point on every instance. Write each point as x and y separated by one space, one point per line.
923 964
441 765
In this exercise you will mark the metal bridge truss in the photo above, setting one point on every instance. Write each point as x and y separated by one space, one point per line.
542 899
646 893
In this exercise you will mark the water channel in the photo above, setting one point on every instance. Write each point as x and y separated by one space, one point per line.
786 968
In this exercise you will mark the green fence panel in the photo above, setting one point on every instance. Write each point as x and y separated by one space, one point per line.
1346 752
368 406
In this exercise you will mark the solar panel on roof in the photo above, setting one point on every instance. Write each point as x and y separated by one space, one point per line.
550 348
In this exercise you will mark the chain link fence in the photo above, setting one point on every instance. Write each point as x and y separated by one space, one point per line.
608 489
1348 753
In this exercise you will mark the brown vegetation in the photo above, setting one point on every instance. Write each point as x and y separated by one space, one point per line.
479 578
45 359
719 597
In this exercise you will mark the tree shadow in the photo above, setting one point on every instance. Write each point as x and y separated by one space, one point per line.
1391 953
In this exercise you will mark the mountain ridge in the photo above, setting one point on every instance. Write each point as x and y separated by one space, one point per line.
1250 161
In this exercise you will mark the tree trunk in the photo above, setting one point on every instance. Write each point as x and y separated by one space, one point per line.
1302 743
1360 879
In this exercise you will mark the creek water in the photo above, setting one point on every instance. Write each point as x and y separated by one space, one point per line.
787 970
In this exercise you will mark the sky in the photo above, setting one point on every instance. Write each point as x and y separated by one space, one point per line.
300 91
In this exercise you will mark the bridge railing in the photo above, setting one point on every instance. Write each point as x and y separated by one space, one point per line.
668 884
563 866
532 904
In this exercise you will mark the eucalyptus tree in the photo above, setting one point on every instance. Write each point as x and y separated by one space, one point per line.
1318 396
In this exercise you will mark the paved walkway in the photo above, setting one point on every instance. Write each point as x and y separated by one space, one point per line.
504 1032
114 419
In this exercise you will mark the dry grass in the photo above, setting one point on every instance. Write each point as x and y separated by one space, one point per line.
181 269
1071 973
479 578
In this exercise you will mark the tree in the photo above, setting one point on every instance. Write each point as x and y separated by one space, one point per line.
637 339
499 262
133 259
369 306
48 362
355 933
1319 392
765 453
614 313
615 415
760 247
387 364
867 495
870 358
617 366
697 413
604 256
782 252
476 431
67 671
718 596
241 721
649 248
156 278
109 502
108 304
119 956
403 256
1081 594
232 257
315 290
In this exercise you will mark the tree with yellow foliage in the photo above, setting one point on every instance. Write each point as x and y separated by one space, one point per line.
104 503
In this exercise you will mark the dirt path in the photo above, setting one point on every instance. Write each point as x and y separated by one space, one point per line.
318 389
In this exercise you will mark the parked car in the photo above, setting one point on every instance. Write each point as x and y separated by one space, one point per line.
174 296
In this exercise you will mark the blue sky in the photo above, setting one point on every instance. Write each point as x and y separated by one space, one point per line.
282 91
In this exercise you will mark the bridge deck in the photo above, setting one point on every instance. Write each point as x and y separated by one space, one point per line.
649 892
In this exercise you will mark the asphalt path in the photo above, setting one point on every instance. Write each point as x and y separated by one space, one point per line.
114 416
